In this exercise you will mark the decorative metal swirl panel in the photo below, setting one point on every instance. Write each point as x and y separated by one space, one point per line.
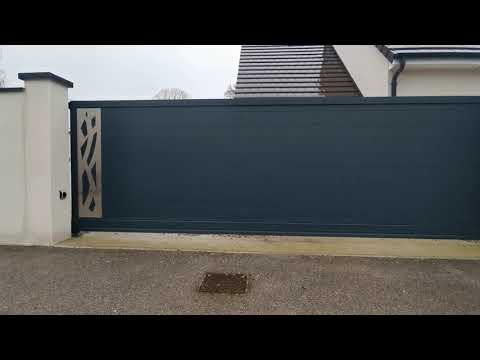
89 155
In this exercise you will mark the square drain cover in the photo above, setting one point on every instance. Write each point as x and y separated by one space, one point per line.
224 283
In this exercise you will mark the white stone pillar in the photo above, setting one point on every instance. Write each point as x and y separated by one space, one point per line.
47 152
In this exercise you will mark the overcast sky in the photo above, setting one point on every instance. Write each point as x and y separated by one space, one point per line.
129 72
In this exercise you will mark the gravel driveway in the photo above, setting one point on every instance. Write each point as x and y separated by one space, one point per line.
39 280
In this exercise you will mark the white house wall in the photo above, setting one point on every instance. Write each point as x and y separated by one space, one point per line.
439 82
368 68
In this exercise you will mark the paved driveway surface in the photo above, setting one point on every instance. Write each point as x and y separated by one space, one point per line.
36 280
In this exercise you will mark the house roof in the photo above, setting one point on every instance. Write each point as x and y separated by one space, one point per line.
292 71
394 52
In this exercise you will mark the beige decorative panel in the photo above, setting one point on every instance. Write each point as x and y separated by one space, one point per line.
89 155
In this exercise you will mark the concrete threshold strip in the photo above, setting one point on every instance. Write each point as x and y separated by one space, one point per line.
282 245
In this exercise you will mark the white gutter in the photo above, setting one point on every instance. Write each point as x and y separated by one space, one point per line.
442 64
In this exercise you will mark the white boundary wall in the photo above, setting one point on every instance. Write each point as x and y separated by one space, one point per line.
34 162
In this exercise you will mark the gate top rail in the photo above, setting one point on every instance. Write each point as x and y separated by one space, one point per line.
279 102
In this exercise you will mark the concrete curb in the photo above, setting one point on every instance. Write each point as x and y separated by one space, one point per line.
282 245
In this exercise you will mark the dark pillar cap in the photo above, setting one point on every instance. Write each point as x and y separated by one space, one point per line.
45 76
14 89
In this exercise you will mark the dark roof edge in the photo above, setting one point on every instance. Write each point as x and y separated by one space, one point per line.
385 51
12 89
438 48
45 76
391 56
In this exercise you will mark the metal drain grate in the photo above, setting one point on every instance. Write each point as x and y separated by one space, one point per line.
216 283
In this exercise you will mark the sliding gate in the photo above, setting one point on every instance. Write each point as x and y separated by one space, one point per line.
365 167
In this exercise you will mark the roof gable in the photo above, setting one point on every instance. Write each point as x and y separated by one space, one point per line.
292 71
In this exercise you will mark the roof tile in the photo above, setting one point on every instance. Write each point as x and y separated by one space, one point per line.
292 71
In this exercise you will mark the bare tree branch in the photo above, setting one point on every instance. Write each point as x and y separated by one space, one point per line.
230 93
172 94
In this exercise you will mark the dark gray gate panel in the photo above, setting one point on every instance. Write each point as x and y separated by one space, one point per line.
377 167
